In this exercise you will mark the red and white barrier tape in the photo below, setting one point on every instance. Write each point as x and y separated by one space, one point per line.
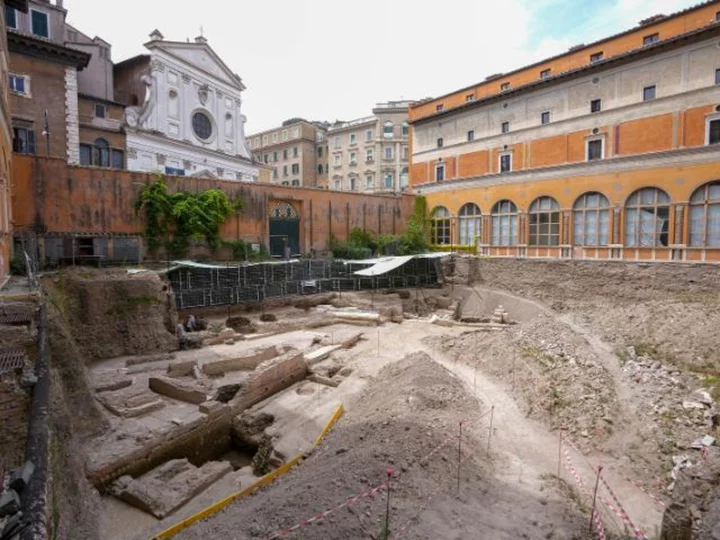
599 529
620 511
322 515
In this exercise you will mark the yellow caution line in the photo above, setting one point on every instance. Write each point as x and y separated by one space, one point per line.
265 480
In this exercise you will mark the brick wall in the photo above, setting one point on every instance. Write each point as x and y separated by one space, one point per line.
66 199
47 92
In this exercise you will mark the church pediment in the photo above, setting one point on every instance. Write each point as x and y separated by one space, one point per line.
199 55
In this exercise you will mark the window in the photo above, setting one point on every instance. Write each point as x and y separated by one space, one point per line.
118 160
713 131
286 183
471 135
319 151
337 142
275 137
39 22
596 57
469 223
440 226
505 127
296 183
202 126
353 183
275 157
266 158
369 155
596 105
469 98
705 216
545 73
594 149
295 151
388 152
717 76
265 139
174 171
405 153
23 140
440 172
504 219
338 160
353 138
285 153
405 130
404 178
295 168
649 40
505 86
440 107
369 181
389 180
98 154
338 184
295 132
388 130
505 163
16 83
544 222
545 117
440 142
11 18
275 173
353 158
647 213
369 135
591 220
649 93
285 135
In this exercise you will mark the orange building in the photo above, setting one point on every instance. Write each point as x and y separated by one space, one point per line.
6 139
609 151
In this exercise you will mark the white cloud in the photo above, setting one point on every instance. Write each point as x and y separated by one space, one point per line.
326 59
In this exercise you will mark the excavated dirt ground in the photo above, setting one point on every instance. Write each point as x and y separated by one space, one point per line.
405 413
622 357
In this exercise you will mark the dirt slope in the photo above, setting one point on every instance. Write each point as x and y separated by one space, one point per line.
407 411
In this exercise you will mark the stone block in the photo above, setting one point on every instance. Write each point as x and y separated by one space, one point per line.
9 503
270 378
321 379
181 369
212 407
318 355
247 362
176 389
169 486
130 406
111 383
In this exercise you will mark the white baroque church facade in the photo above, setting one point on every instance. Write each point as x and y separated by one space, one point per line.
184 116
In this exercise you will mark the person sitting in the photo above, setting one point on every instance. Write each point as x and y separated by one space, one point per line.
191 324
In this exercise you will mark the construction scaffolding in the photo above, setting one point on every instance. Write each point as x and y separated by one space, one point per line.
205 285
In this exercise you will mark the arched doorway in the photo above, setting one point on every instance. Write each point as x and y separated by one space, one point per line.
284 229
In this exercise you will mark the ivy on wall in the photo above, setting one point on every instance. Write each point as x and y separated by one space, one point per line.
172 219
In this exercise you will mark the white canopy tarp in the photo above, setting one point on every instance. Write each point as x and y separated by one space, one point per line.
383 266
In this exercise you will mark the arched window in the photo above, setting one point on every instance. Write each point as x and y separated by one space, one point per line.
404 178
388 130
405 130
504 223
469 223
647 213
101 153
705 216
229 126
440 226
591 220
544 221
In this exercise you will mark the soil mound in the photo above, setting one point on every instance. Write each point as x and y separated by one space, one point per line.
410 409
111 313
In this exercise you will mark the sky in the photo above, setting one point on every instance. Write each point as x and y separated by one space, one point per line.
334 59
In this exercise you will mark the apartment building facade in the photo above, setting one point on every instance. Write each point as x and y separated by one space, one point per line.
295 152
7 8
371 154
609 151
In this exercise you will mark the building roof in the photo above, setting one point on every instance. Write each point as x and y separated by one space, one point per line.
705 32
646 22
28 45
20 5
96 99
133 60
